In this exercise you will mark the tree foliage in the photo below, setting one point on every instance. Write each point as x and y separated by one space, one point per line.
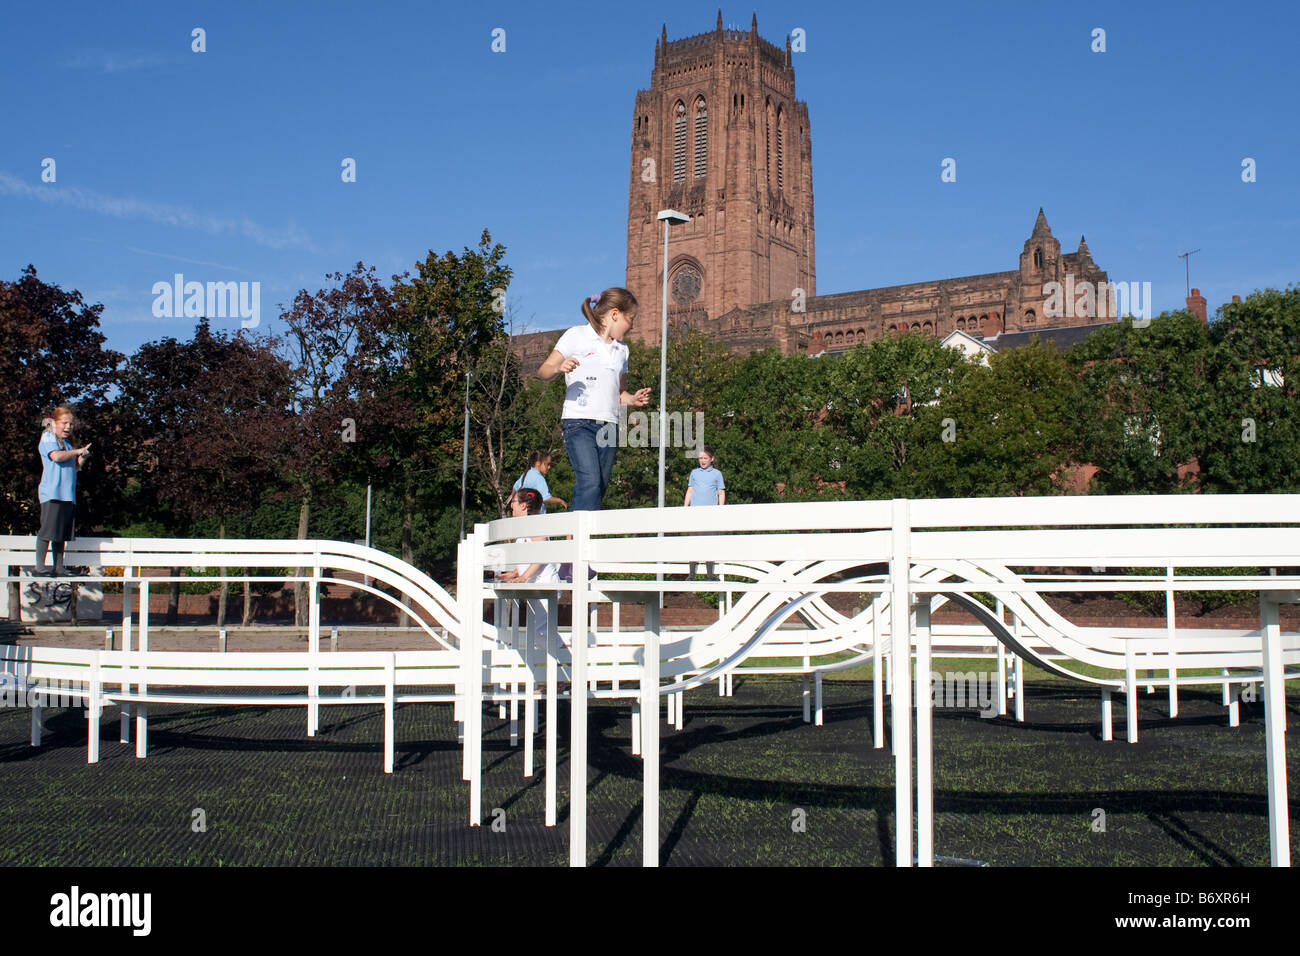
51 353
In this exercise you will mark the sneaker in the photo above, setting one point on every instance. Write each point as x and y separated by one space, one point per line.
42 571
72 570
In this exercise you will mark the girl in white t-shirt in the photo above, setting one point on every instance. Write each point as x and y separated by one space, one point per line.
593 359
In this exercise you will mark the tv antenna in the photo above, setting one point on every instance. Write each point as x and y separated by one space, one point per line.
1187 268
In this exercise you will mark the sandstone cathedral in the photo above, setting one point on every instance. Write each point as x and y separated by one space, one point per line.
720 136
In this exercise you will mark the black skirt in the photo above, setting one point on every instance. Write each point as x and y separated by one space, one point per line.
57 519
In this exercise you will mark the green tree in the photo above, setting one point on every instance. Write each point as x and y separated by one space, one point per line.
1006 429
1149 401
455 306
1252 440
885 411
53 354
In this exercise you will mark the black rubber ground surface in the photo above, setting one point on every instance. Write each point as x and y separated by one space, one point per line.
746 782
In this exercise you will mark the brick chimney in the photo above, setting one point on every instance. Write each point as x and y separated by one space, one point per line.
1196 305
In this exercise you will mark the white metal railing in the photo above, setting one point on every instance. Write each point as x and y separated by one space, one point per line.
781 562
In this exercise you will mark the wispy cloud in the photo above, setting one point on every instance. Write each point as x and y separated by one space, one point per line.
192 262
117 62
125 207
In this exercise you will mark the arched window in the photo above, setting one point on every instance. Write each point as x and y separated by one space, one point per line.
1038 258
1030 316
916 326
862 335
686 283
679 142
928 328
961 324
780 155
767 143
701 139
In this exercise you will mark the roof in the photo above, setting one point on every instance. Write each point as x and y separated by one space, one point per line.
1063 337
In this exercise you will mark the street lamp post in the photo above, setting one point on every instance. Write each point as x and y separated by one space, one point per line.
669 217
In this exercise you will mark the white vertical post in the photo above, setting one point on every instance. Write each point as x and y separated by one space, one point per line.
650 735
636 728
677 711
127 596
141 708
817 702
877 675
900 652
515 613
552 704
1002 666
92 713
594 638
1020 675
803 696
1107 715
578 698
313 648
474 697
390 679
1170 630
465 602
469 690
924 738
1279 835
1130 691
530 610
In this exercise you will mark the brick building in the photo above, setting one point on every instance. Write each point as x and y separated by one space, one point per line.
720 136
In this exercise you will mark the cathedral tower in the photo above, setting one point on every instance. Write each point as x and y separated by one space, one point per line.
719 136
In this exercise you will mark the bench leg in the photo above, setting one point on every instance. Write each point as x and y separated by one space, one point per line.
37 726
817 680
636 728
125 735
141 729
1107 721
92 725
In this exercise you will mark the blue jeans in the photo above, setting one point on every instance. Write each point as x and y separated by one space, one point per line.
592 459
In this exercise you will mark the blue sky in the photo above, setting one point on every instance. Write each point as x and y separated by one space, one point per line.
225 165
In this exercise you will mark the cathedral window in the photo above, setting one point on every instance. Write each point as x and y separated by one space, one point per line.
686 285
961 324
679 143
1030 316
779 155
701 139
767 144
1038 258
